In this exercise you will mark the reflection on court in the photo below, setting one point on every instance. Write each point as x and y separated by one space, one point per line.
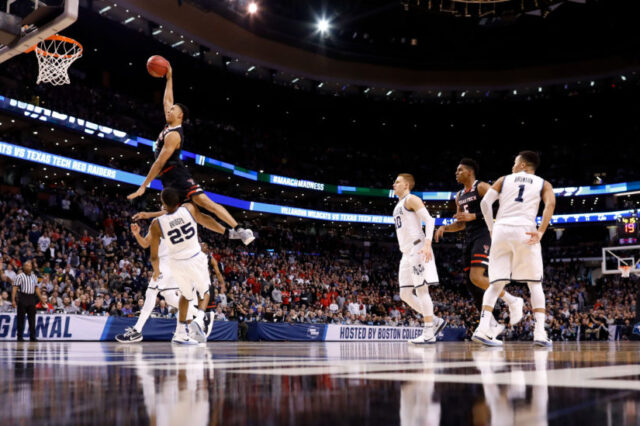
323 383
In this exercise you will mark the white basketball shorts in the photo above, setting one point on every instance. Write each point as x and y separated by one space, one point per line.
165 281
511 258
414 271
191 274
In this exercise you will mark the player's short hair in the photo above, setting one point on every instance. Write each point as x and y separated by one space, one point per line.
170 197
472 164
185 111
530 158
409 178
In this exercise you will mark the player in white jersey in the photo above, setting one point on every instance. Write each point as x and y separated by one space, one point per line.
165 286
417 267
179 228
515 241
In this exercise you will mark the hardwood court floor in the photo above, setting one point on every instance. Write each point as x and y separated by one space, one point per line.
319 384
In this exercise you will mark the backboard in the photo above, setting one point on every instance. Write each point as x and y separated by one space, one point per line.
24 23
615 258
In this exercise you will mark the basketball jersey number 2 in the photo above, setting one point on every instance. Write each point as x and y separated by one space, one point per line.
176 235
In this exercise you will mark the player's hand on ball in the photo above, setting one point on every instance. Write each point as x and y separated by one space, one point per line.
137 194
427 252
169 74
439 233
464 217
535 237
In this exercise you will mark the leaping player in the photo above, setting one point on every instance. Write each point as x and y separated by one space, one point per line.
477 240
417 267
515 245
169 167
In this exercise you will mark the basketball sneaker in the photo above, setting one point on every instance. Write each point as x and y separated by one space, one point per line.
486 337
244 235
515 311
496 327
196 331
438 325
183 339
540 338
131 335
428 337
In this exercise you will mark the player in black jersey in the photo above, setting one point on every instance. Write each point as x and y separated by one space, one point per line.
477 237
169 167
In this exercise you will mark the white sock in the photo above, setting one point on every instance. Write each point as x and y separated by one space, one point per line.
150 298
199 315
540 317
485 319
509 298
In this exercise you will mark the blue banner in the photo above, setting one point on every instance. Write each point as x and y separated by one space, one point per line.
102 328
160 329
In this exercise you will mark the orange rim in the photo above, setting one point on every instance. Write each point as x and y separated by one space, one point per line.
56 37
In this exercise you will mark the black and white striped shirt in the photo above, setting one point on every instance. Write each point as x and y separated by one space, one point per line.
26 283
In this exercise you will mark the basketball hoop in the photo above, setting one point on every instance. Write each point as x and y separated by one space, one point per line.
625 270
55 54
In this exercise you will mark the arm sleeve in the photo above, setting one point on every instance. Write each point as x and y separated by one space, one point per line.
429 222
486 206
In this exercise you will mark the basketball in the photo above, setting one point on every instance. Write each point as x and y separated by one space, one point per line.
157 66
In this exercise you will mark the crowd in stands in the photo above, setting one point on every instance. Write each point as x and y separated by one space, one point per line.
295 273
321 144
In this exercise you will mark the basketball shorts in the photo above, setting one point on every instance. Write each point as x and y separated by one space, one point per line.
191 274
165 281
476 251
181 180
511 258
414 271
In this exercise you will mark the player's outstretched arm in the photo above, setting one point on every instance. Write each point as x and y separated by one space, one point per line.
155 232
486 205
148 215
549 199
171 143
167 101
145 241
204 219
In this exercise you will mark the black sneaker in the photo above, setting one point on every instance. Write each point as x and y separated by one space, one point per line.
131 335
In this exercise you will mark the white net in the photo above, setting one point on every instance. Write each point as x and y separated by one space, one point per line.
55 55
625 271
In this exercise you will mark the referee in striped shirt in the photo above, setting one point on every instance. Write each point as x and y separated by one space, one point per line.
27 288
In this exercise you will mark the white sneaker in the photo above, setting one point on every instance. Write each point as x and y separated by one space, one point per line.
496 327
245 235
540 338
196 331
486 337
426 338
438 325
183 339
515 311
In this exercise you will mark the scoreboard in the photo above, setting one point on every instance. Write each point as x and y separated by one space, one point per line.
628 229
